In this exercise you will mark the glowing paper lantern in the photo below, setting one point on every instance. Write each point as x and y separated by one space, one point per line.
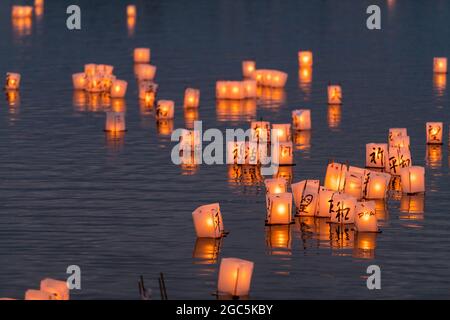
141 55
342 209
283 131
434 132
398 158
354 184
90 69
235 276
285 153
365 217
301 119
275 186
440 65
260 131
325 202
230 90
334 94
396 132
165 109
148 91
279 208
208 221
79 81
58 289
335 176
118 89
376 155
94 84
37 295
376 185
191 98
248 67
12 81
306 197
145 71
250 88
305 58
21 11
270 78
400 142
131 10
115 121
413 179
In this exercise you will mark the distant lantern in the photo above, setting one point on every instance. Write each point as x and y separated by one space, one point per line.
131 10
21 11
305 59
208 221
335 176
58 289
191 98
283 131
118 89
325 202
115 122
142 55
275 186
285 153
90 69
398 158
250 88
342 209
145 71
365 217
260 131
306 197
440 65
94 84
376 155
334 94
235 277
301 119
12 81
376 185
79 81
279 209
270 78
413 179
37 295
434 132
248 67
165 109
230 90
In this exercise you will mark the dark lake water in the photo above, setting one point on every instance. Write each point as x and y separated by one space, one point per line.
121 209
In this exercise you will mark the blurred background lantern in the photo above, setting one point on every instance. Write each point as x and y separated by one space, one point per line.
37 295
342 209
79 81
400 142
165 109
141 55
301 119
376 155
131 10
90 69
118 89
206 250
191 98
440 65
248 67
115 122
208 221
235 276
12 81
413 179
365 245
334 94
279 209
283 131
365 217
434 132
145 71
306 197
335 176
305 59
94 84
58 289
250 88
21 11
285 153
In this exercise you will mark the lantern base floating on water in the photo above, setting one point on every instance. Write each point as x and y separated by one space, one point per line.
306 197
165 109
115 122
118 89
208 221
279 209
235 276
434 132
305 59
12 81
365 217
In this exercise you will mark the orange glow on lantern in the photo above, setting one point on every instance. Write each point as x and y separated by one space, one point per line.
248 67
305 75
440 83
301 119
413 179
306 197
305 58
12 81
354 184
335 176
58 289
115 122
365 217
21 11
131 10
165 109
279 208
334 94
434 132
342 209
190 116
191 98
398 158
141 55
37 295
208 221
302 140
283 131
414 204
440 65
79 81
235 277
341 236
145 71
118 89
376 155
376 185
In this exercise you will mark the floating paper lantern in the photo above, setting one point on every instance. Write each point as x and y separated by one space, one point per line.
22 11
250 88
306 197
131 10
376 185
207 250
354 184
285 153
260 131
279 209
440 65
235 276
145 71
365 217
270 78
58 289
396 132
208 221
79 81
141 55
12 81
335 176
283 131
165 109
275 186
90 69
334 94
248 67
118 89
230 90
301 119
413 179
191 98
376 155
115 121
342 209
37 295
398 158
305 58
434 132
94 84
400 142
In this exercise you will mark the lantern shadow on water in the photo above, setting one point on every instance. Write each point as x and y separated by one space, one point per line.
434 156
365 245
207 250
236 110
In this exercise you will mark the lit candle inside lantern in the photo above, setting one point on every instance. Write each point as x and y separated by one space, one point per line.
142 55
58 289
145 71
12 81
279 208
118 89
79 81
165 109
22 11
305 58
191 98
235 276
306 197
250 88
334 94
37 295
434 132
354 184
131 10
398 158
365 217
413 179
283 131
208 221
342 209
335 176
275 186
236 90
248 67
376 185
376 155
301 119
440 65
115 122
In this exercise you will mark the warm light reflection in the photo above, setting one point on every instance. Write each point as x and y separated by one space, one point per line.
334 116
302 140
245 175
381 212
190 116
236 110
305 79
440 83
434 156
278 240
342 236
164 127
131 24
206 250
13 98
271 96
22 26
115 140
414 205
189 164
365 245
118 105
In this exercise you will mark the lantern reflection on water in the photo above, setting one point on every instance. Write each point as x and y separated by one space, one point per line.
335 176
190 116
376 155
284 172
206 250
56 288
302 140
301 119
191 98
22 26
341 236
440 83
244 175
365 217
413 179
208 221
413 204
381 212
283 131
165 109
236 110
279 209
278 239
365 245
248 67
284 155
334 94
305 79
440 65
306 197
342 209
12 81
434 132
164 127
434 155
233 90
141 55
235 276
13 98
334 116
376 185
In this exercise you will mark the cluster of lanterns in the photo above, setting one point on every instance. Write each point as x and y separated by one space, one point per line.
50 289
22 16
